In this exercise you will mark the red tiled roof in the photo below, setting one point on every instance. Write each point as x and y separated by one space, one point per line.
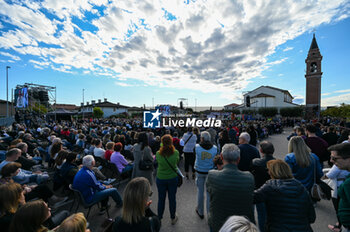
233 105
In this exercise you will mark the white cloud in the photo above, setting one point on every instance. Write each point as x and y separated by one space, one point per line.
10 55
326 94
134 40
288 49
122 84
298 99
336 100
40 63
342 91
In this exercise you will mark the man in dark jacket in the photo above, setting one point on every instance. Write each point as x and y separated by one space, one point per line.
331 138
261 175
247 152
317 145
230 190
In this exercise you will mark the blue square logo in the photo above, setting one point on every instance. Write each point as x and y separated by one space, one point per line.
151 119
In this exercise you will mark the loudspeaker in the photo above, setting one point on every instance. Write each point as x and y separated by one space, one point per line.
43 96
247 101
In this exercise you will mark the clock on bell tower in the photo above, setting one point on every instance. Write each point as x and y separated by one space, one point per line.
313 80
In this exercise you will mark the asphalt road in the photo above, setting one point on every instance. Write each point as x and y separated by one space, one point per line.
186 203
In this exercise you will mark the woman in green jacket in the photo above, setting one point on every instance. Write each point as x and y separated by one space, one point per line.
167 158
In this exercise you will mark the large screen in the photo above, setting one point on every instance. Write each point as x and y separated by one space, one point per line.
21 98
164 109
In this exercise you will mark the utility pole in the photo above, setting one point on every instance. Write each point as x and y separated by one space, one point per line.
195 105
55 104
83 103
11 102
7 91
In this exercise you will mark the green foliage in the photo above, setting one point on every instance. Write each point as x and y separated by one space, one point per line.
250 112
137 115
39 108
291 111
234 111
122 115
340 112
268 111
98 113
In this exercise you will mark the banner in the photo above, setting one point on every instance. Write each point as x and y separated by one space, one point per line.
21 98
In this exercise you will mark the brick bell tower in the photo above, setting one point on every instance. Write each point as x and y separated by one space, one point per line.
313 80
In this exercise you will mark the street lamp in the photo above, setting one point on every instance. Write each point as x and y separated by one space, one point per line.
83 103
7 91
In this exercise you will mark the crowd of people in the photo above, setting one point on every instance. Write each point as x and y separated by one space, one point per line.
234 169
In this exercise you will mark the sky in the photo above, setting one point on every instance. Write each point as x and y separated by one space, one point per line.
156 51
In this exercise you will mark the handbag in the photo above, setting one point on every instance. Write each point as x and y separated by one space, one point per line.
151 224
316 190
145 165
179 176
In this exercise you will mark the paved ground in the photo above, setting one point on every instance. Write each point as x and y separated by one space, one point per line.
186 202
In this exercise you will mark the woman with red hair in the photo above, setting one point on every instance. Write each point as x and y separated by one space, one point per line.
167 158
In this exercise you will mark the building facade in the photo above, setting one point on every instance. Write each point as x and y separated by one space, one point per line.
107 107
267 96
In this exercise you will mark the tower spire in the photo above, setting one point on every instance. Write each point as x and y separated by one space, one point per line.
314 43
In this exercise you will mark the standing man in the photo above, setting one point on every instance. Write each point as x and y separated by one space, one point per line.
248 152
230 190
261 175
340 156
317 145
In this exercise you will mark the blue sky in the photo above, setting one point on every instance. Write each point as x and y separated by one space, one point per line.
209 51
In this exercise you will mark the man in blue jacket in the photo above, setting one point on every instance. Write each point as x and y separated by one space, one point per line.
93 190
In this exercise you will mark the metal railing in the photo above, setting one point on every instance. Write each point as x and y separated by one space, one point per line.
6 121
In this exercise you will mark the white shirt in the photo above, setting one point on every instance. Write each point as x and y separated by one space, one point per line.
99 152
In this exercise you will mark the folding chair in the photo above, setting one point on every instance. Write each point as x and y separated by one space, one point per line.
80 200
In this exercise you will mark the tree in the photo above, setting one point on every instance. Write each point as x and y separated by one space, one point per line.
343 111
291 111
39 108
249 112
98 113
234 111
268 111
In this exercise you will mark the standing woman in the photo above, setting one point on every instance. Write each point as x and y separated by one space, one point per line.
205 153
142 151
167 158
223 138
288 204
197 133
188 141
302 162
